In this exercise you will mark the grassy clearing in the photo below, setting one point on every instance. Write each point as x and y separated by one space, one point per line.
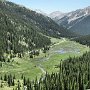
60 49
70 49
32 67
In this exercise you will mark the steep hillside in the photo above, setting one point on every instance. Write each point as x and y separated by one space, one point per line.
22 29
45 24
83 40
16 34
77 21
82 26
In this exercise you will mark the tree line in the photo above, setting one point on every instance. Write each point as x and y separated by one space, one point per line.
85 40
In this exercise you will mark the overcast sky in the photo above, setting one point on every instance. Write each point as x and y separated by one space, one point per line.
49 6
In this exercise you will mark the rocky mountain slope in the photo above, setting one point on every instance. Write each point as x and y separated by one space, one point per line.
56 15
77 21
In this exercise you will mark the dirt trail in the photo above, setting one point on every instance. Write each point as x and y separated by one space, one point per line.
48 57
41 68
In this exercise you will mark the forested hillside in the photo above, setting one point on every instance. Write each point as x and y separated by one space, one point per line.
18 36
22 29
83 40
42 23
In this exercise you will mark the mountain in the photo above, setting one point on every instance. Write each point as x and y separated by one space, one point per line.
56 15
16 33
77 21
45 24
22 29
53 15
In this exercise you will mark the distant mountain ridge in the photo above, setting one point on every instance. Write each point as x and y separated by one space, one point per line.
56 14
52 15
77 21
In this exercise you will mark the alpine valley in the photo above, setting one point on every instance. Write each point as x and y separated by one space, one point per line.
40 51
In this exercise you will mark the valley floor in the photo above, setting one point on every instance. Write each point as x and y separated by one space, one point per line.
31 68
